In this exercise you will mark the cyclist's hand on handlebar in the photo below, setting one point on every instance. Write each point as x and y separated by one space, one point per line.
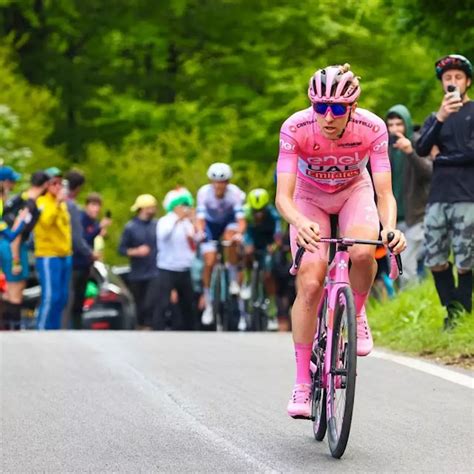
308 235
237 237
398 243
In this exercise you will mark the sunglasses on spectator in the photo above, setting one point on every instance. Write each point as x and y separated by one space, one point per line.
55 182
337 110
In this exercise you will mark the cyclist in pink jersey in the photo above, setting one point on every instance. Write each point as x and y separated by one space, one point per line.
324 151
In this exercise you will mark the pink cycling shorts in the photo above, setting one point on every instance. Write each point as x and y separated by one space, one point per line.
354 204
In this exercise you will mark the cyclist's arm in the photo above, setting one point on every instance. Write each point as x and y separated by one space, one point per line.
240 213
284 199
241 225
386 204
286 178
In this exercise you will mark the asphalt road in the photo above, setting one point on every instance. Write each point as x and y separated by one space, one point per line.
205 402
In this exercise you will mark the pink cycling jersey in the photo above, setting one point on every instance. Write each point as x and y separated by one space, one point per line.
328 164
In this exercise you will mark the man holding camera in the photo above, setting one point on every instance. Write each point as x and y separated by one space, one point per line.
449 220
411 176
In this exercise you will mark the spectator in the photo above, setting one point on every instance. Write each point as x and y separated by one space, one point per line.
449 220
53 251
93 228
176 250
138 242
14 256
411 176
83 255
8 177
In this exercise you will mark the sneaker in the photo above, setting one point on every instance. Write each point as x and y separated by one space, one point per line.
234 288
207 316
364 338
299 406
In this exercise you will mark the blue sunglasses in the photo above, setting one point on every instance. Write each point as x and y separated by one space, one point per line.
337 110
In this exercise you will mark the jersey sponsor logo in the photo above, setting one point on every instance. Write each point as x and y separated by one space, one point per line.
332 160
349 145
292 128
303 124
316 147
380 146
286 146
331 175
375 128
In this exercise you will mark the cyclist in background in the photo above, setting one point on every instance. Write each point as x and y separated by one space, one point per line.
263 231
219 214
324 151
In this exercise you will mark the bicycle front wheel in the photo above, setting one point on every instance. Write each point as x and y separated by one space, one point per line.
342 378
319 391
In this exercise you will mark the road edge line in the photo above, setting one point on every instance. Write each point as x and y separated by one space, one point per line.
426 367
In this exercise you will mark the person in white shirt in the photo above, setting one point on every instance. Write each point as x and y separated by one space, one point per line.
176 249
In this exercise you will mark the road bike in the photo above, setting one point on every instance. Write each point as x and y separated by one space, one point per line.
334 355
225 307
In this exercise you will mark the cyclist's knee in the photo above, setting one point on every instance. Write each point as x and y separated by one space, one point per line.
362 256
310 282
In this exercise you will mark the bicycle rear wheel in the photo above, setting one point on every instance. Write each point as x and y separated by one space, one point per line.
342 378
318 409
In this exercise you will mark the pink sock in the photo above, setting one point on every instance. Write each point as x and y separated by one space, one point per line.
359 300
303 356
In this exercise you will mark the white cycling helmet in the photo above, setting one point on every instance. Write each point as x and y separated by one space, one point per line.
219 172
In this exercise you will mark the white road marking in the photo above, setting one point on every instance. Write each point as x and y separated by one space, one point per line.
432 369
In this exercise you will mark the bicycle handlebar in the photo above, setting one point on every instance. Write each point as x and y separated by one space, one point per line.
395 270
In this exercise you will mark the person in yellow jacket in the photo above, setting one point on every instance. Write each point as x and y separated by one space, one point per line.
53 251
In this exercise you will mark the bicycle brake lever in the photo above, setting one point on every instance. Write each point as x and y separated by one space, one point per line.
296 264
398 258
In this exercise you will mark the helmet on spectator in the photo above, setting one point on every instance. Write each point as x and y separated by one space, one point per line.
258 198
177 197
144 200
334 84
219 172
453 61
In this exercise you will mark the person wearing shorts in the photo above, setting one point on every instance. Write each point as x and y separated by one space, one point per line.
324 151
449 218
219 214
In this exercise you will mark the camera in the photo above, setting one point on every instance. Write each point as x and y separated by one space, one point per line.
454 91
392 139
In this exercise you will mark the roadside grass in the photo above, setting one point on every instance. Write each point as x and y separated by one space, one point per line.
412 323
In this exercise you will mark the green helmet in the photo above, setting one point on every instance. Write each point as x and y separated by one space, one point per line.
258 198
